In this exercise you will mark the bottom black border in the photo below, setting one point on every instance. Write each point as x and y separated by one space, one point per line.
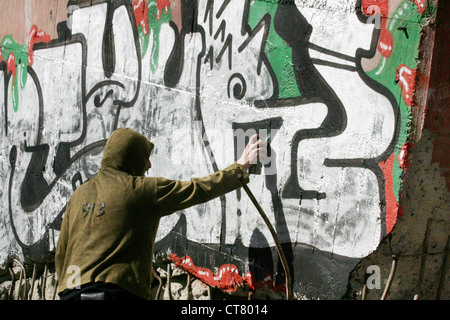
202 309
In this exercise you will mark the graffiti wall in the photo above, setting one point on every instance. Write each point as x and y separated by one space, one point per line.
331 83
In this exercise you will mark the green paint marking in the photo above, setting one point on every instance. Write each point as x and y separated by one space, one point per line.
405 51
278 52
20 52
154 26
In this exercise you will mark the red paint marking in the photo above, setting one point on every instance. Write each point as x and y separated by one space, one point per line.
420 4
371 7
392 207
266 281
381 7
34 37
406 78
11 64
404 157
386 43
227 278
140 10
162 5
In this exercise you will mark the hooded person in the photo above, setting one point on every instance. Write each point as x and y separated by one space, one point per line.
105 245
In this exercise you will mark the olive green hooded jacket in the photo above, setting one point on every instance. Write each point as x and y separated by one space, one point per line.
109 227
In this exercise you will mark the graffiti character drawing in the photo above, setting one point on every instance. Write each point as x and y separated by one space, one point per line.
189 75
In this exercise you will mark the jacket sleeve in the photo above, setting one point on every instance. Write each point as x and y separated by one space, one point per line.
175 195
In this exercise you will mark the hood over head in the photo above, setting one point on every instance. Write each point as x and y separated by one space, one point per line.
128 151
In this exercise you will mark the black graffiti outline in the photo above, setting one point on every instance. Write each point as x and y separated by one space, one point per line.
372 164
365 163
239 90
108 48
334 104
40 151
312 87
175 63
336 110
174 69
177 52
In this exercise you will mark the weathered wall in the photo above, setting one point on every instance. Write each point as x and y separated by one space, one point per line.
334 81
415 255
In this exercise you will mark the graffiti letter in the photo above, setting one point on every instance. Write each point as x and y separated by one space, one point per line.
374 280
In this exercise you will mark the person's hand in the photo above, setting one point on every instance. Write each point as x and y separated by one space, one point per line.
255 149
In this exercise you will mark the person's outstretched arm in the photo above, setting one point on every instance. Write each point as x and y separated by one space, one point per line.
175 195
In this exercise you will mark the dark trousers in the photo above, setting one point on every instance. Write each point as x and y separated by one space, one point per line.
98 291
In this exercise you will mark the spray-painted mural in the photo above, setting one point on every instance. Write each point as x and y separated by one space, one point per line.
333 81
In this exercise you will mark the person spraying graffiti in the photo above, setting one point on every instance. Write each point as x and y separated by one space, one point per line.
105 246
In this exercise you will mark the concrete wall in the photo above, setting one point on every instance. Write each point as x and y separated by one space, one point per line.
412 261
333 81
